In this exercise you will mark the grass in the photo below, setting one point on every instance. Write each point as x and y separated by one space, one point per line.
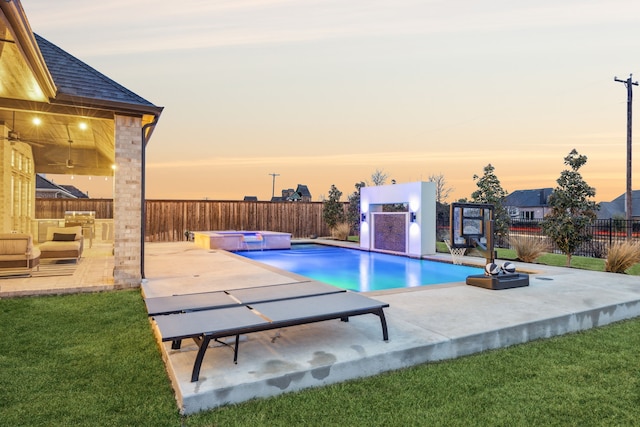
622 256
91 360
341 231
86 359
556 260
528 248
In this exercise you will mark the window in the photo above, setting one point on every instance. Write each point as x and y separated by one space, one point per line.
21 191
526 215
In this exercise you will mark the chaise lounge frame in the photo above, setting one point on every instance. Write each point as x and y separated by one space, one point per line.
243 311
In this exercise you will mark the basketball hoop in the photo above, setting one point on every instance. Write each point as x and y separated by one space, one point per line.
456 253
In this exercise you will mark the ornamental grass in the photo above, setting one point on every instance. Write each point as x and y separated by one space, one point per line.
622 256
528 248
341 231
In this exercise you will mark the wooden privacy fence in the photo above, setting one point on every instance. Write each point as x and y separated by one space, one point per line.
167 220
55 208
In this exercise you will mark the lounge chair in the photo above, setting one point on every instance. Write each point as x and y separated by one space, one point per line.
234 320
221 299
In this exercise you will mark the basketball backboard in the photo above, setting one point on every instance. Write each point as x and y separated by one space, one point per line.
470 225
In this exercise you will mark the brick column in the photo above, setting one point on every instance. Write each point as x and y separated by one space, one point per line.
127 212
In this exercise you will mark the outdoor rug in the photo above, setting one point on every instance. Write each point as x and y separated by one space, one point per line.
48 268
55 268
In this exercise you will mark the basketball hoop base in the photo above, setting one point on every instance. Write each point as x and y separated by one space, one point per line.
502 281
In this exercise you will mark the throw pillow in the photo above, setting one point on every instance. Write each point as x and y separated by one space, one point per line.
64 237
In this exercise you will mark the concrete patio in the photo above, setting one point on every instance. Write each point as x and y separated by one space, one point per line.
425 324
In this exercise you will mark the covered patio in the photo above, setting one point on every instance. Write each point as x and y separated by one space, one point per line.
60 116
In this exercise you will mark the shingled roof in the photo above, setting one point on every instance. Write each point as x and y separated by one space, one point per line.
47 188
528 198
75 79
617 207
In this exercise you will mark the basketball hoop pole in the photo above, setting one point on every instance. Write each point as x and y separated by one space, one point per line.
491 254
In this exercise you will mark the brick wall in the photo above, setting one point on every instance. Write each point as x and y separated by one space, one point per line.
127 211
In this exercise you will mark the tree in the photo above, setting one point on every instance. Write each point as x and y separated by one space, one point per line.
353 212
378 177
332 211
491 192
442 190
571 210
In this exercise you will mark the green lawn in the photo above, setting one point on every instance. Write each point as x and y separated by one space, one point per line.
91 360
558 260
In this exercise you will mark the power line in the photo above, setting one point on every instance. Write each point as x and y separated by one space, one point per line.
629 201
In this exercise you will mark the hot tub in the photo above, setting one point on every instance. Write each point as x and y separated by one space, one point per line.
232 240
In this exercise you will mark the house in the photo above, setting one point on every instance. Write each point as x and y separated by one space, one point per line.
46 189
303 191
528 204
300 194
75 191
87 125
533 204
617 207
250 199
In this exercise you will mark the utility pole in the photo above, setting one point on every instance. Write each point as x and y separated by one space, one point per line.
273 186
629 201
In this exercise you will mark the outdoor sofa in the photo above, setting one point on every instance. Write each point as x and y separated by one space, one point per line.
17 253
63 243
213 315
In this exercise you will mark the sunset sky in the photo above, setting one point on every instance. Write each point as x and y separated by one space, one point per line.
326 92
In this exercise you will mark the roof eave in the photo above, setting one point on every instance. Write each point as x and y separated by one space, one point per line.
103 104
26 42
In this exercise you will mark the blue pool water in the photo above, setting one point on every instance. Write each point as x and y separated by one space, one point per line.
360 270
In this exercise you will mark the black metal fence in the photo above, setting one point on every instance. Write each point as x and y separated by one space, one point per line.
603 232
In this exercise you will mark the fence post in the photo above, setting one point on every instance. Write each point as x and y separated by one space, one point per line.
610 231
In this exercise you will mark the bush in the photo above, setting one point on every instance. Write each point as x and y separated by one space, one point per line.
622 256
332 209
528 248
598 249
341 231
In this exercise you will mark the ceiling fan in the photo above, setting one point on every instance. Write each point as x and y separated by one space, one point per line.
13 135
69 164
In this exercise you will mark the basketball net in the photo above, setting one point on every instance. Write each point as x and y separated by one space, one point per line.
456 253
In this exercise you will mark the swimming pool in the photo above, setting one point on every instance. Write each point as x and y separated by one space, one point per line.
360 271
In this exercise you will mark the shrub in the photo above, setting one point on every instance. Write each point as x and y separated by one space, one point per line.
332 209
341 231
622 256
598 249
528 248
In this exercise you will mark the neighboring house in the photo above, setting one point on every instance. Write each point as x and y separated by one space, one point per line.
250 199
300 194
72 189
46 189
533 204
303 191
528 204
617 207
